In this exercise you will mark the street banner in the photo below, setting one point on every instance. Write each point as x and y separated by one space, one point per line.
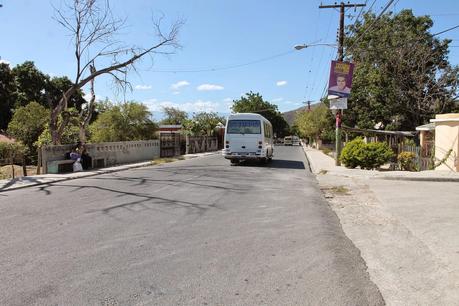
340 81
340 103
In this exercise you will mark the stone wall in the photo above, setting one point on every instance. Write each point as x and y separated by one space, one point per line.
107 153
200 144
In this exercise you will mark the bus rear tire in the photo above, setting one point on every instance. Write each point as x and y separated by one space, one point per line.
234 162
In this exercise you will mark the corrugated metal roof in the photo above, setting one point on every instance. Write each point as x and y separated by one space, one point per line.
426 127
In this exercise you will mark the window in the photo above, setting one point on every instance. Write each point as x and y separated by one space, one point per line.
244 127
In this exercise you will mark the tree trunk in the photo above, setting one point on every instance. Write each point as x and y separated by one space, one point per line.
12 165
24 167
39 161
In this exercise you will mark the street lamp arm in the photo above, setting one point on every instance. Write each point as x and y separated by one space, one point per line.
304 46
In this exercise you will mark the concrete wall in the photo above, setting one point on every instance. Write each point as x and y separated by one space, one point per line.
199 144
107 153
446 139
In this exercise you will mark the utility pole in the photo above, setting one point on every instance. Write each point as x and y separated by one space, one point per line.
339 115
309 105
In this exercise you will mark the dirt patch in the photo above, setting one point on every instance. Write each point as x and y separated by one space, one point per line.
335 190
6 172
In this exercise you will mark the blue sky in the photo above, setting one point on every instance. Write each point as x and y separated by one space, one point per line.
216 34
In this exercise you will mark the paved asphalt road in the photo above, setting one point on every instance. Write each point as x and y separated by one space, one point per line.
192 232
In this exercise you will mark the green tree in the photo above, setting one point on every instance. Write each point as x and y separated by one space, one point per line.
69 136
203 123
402 76
28 123
25 83
7 95
57 86
315 124
173 115
31 84
254 103
123 122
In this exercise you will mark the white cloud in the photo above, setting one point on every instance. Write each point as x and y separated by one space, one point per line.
178 85
142 87
277 100
176 92
281 83
2 61
150 101
201 106
196 106
87 97
209 87
227 100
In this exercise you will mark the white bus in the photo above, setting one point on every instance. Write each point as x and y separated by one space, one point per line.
288 141
296 141
248 136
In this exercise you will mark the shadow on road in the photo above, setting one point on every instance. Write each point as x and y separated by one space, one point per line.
276 164
137 200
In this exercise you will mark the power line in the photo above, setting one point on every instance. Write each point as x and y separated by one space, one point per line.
309 65
313 85
361 10
371 25
445 14
447 30
230 66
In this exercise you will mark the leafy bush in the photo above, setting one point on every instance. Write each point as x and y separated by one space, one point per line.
376 154
352 152
407 161
11 149
326 150
365 155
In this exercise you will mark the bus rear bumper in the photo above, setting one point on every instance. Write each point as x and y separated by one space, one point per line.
243 156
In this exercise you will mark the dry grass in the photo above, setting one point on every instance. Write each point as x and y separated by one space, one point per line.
6 172
164 160
337 190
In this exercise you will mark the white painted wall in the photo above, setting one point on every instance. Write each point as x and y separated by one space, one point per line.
110 153
446 139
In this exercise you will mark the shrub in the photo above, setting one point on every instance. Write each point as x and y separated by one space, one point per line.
352 152
365 155
376 154
406 161
11 149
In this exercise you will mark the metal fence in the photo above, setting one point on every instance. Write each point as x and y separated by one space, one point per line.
423 159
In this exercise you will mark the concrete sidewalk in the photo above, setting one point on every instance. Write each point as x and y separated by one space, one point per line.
320 162
35 180
404 224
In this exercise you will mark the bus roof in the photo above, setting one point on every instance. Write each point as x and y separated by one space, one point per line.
247 116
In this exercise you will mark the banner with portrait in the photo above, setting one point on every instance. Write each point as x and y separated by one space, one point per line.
340 81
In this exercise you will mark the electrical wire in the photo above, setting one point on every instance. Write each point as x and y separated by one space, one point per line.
309 65
373 23
229 66
360 13
447 30
320 60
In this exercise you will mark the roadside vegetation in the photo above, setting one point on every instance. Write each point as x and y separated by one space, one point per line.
402 78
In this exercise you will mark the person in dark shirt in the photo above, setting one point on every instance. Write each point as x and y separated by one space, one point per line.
86 159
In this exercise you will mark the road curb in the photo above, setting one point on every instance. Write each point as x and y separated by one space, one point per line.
92 173
68 178
420 179
365 175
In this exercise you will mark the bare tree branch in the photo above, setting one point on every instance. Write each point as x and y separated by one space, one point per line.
94 30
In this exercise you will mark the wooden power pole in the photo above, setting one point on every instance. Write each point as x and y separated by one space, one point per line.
339 115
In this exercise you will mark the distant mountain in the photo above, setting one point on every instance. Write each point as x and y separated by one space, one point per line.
290 115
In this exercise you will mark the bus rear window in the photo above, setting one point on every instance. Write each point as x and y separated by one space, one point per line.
244 127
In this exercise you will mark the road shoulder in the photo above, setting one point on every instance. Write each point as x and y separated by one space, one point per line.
396 235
